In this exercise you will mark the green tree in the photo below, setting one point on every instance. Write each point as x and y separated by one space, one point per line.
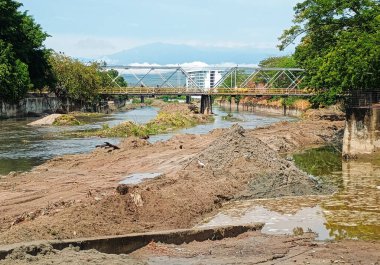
26 38
74 79
14 76
279 62
340 45
111 78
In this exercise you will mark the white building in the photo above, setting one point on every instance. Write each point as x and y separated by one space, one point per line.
203 78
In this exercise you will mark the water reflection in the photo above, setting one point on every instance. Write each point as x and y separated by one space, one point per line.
352 212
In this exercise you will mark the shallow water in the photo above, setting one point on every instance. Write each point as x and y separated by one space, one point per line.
23 147
137 178
248 120
352 212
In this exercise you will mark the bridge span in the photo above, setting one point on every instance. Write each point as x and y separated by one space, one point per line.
206 82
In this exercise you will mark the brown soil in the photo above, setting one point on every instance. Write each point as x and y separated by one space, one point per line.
248 248
256 248
75 196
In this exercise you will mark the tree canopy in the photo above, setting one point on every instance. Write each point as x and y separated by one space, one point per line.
14 76
340 45
75 80
79 81
279 62
22 40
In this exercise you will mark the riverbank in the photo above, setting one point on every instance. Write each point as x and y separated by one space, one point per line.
81 189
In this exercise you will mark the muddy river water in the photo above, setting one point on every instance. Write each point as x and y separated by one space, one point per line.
352 212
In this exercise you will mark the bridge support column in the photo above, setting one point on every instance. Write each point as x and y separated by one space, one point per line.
362 132
142 99
206 104
188 99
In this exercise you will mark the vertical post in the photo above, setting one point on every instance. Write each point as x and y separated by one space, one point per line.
188 99
235 77
206 104
142 99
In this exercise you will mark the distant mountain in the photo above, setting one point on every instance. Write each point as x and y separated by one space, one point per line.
160 53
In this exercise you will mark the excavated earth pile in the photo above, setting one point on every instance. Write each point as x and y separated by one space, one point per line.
233 166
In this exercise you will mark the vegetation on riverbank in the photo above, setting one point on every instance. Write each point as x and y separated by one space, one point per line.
77 118
170 117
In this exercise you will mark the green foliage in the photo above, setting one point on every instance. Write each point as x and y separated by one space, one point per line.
172 98
75 80
14 76
146 101
23 38
340 47
111 78
279 62
289 101
164 122
66 120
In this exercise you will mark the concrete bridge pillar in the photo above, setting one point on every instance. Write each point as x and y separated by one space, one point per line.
188 99
206 104
362 132
142 99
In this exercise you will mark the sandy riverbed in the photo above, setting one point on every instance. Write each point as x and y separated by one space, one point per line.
75 196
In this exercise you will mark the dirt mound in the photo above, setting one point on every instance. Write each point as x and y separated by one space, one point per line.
235 165
332 113
249 160
48 120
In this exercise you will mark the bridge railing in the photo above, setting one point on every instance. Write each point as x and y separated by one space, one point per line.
189 91
202 78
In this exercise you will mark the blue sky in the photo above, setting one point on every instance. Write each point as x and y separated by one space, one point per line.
92 28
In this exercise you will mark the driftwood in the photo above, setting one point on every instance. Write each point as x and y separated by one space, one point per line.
108 145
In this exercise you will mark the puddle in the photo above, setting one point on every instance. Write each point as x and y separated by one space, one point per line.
138 178
276 222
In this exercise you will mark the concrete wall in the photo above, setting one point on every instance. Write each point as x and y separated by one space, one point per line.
264 109
362 132
29 106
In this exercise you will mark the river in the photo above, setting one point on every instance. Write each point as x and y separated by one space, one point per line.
23 147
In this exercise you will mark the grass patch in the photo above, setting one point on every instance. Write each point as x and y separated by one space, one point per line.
171 117
66 120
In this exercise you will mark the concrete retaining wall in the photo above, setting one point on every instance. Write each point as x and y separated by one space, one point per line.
29 106
264 109
362 132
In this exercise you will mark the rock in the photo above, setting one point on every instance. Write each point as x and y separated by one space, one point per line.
122 189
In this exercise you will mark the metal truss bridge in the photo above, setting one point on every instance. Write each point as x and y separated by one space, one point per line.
193 81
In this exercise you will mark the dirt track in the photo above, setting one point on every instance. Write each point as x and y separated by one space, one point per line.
74 196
